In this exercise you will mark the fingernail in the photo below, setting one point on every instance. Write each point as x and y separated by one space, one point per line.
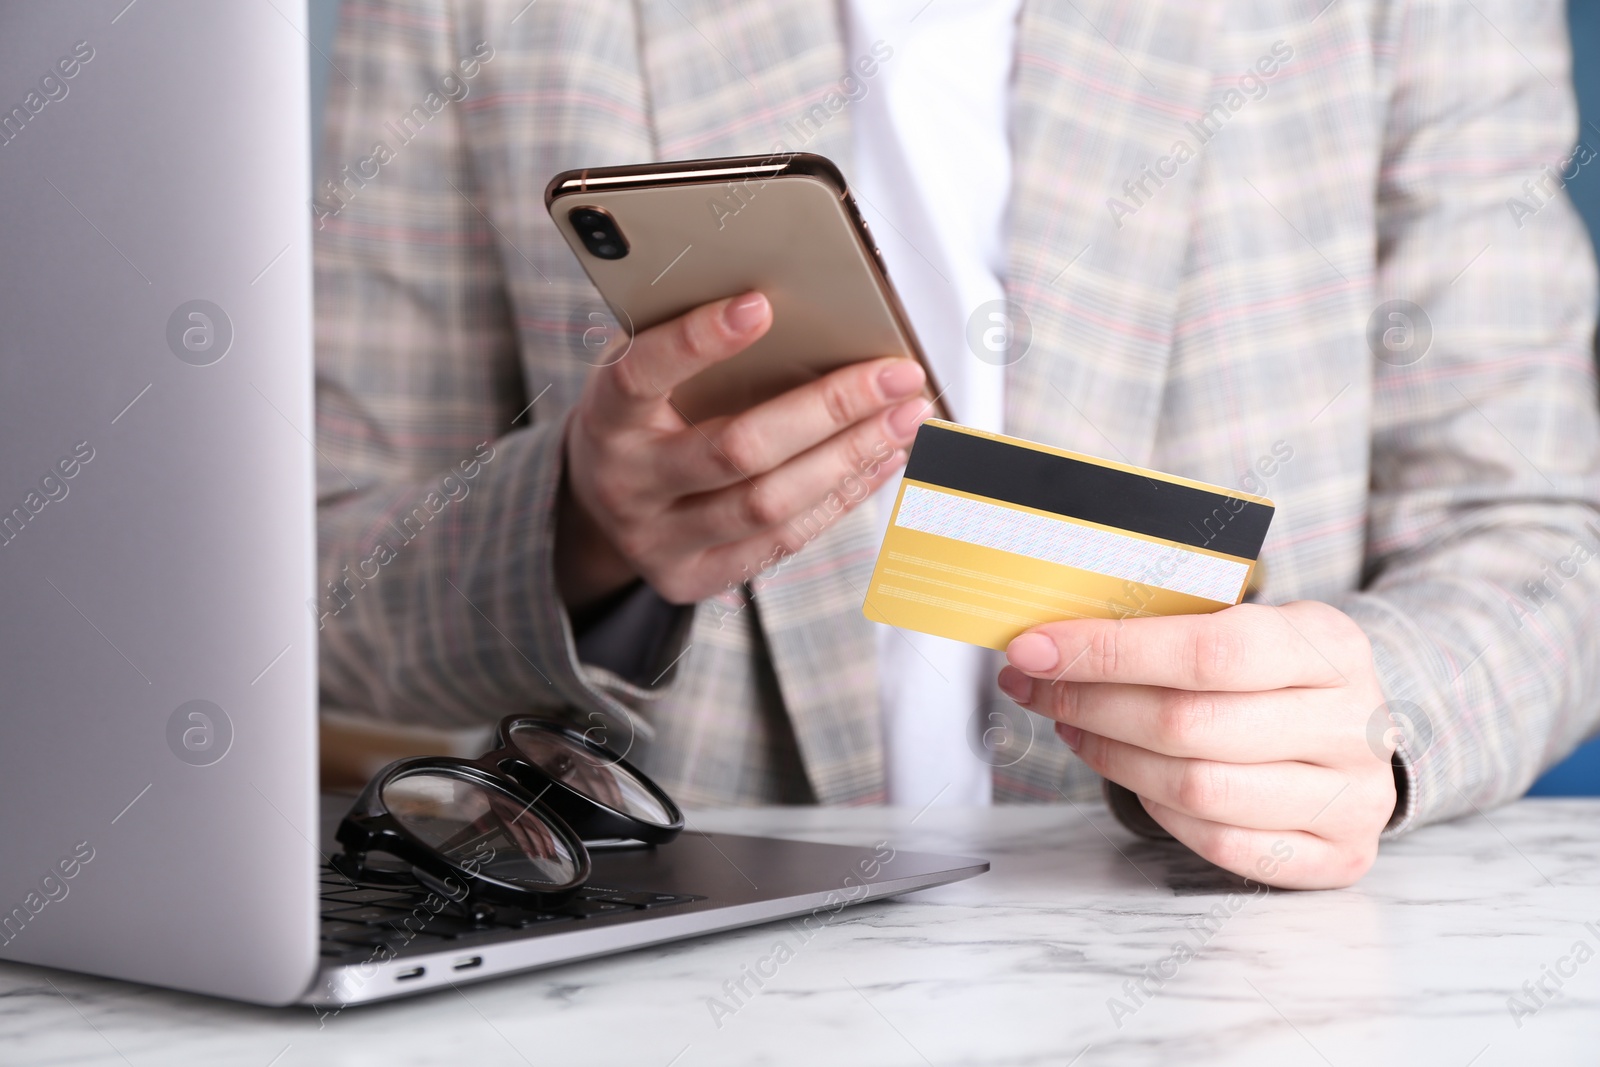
1032 653
1015 684
904 420
900 378
745 313
1070 734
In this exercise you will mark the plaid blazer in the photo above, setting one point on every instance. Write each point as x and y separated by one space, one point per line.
1202 249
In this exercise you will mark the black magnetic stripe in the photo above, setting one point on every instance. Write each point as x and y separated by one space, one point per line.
985 467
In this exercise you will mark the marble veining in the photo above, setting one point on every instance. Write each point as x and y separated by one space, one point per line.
1082 947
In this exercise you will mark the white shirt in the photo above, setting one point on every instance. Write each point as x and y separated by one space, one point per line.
932 176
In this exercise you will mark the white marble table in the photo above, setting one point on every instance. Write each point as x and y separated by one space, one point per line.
1024 965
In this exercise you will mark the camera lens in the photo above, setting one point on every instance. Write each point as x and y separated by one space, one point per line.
599 232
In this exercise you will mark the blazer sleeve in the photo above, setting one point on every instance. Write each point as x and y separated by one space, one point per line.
1482 587
437 480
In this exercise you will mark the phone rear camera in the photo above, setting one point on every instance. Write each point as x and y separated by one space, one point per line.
599 232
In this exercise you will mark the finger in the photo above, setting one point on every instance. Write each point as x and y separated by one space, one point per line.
1242 648
848 467
537 841
670 353
761 554
608 792
598 783
547 842
746 530
1281 724
1288 859
534 836
1259 796
770 434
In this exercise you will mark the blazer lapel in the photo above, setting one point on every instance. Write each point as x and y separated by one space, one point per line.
752 79
743 79
1103 93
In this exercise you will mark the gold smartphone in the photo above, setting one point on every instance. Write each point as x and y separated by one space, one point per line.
658 239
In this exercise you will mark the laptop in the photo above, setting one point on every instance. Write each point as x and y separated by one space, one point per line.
160 816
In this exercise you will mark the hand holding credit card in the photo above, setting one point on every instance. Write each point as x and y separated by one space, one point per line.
993 535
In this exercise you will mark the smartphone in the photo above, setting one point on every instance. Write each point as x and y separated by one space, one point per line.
658 239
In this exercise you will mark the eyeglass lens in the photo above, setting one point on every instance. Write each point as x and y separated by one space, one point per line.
470 822
579 768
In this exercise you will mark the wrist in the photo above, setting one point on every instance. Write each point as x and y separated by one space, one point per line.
588 567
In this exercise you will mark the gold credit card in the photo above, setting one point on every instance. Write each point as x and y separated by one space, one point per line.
992 535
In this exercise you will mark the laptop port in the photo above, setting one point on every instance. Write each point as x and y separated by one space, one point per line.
466 963
413 972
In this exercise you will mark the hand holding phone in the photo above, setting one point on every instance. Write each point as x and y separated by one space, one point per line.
693 507
658 239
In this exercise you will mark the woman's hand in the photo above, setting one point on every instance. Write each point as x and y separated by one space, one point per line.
1244 733
690 508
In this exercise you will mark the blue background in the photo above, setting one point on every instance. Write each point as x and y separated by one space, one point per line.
1579 775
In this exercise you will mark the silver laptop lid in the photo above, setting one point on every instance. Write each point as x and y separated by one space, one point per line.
157 658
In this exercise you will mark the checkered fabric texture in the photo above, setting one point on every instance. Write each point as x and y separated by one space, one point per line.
1217 317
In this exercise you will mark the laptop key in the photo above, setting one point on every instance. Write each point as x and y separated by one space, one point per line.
353 934
392 883
518 917
612 896
446 926
590 909
637 900
368 896
363 913
333 929
337 950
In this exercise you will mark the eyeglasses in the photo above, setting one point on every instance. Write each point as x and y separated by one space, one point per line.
508 827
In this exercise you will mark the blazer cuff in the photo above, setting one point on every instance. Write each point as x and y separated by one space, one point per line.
1125 805
1405 796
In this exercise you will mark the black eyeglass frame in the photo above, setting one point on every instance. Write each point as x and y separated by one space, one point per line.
371 827
593 819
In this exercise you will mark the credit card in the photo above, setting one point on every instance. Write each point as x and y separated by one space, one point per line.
992 535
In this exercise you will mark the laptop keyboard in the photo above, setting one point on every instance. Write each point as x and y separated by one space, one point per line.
361 919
